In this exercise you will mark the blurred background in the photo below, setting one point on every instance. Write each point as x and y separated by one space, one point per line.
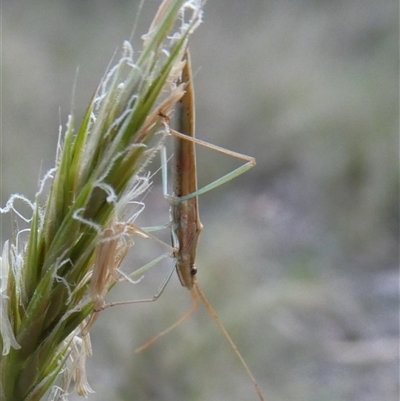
299 256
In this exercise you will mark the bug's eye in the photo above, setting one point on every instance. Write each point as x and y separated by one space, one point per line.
193 271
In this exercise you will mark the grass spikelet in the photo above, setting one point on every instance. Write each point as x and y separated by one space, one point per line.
57 271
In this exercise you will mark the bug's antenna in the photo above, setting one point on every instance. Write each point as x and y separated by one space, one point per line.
230 341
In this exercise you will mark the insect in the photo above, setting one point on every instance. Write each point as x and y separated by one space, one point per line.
184 210
185 220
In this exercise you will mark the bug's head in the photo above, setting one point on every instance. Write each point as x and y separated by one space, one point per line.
186 274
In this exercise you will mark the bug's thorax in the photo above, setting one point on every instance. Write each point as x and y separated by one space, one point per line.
187 229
